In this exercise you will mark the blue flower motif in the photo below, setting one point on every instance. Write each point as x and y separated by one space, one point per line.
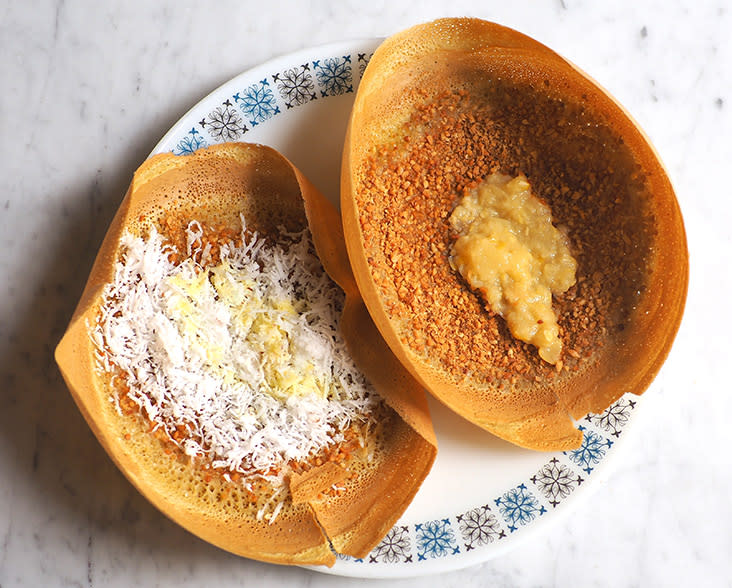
334 75
257 102
190 143
591 451
435 539
342 557
519 507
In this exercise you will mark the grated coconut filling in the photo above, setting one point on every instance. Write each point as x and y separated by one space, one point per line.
244 354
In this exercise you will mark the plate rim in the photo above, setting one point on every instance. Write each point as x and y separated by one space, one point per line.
254 72
360 568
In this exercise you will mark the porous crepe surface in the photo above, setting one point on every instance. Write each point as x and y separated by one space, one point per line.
215 186
442 106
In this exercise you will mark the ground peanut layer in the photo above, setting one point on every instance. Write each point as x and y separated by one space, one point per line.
406 191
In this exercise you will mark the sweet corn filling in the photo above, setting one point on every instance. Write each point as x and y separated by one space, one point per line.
507 249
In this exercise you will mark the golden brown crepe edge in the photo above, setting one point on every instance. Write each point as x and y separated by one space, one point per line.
387 374
75 357
550 427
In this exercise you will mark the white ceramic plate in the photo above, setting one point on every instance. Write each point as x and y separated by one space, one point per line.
483 495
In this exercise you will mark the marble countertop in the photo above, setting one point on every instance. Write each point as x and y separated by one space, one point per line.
87 91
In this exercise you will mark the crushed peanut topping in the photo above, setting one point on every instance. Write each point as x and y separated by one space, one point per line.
405 191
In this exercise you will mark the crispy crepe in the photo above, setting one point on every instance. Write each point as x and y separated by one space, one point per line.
216 186
444 105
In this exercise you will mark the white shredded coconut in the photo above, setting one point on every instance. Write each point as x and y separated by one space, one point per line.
245 354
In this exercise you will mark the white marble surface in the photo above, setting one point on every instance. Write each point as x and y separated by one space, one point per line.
86 91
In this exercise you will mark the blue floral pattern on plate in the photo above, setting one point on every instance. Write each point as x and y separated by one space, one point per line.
189 143
396 547
556 481
363 60
590 453
518 506
294 83
479 526
436 539
614 418
257 102
224 123
334 75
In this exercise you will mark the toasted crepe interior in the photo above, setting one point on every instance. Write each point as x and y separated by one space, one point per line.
216 186
441 107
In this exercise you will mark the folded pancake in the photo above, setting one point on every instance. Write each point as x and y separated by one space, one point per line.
444 109
305 463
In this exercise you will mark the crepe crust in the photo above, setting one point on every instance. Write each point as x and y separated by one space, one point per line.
479 75
215 186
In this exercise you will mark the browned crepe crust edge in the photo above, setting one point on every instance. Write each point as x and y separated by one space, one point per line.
304 532
542 416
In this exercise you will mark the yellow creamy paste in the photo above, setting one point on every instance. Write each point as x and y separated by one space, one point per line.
509 251
265 324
